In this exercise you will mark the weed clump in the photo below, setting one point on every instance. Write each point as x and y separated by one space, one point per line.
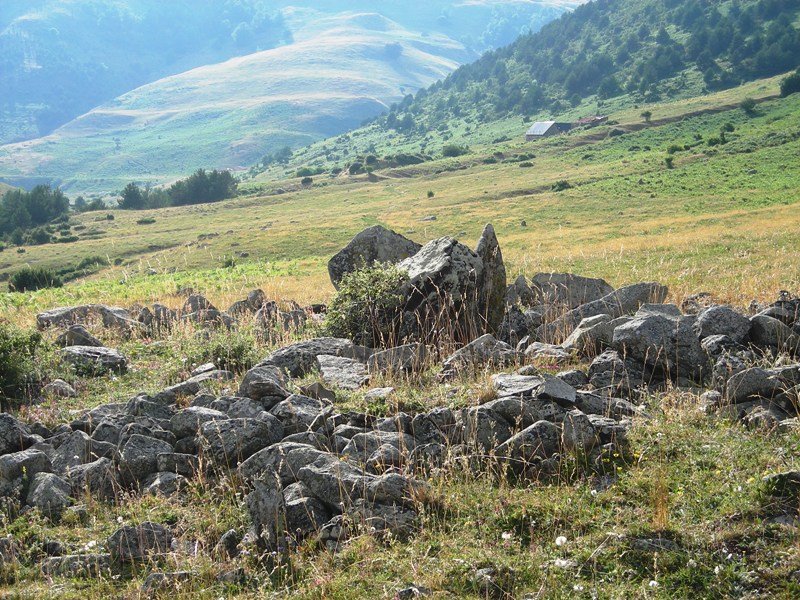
17 351
368 306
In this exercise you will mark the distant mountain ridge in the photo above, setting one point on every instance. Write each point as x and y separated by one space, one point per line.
230 114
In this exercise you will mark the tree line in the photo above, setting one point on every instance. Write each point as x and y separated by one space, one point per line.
37 216
201 187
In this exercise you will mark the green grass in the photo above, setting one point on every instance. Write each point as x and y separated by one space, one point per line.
708 224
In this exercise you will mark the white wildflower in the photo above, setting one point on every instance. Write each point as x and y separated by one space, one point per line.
561 541
653 584
507 535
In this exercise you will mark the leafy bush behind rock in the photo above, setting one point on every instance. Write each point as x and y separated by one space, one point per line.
17 351
367 307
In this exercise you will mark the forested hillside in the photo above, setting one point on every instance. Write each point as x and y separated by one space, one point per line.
613 47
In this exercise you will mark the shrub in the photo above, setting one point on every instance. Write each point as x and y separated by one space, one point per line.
453 150
791 84
30 279
90 261
674 148
67 239
431 193
669 161
236 352
304 172
146 221
748 105
307 181
17 365
367 308
560 186
526 165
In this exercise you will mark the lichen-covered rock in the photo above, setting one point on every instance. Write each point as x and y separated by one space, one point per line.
92 360
138 457
540 440
624 301
14 436
722 320
230 442
375 244
187 422
442 289
344 373
139 542
50 494
481 353
491 283
568 290
299 413
665 343
77 335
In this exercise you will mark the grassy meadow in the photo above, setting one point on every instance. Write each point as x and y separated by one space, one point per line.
722 219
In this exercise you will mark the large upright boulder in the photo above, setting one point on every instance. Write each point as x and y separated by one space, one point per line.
492 282
442 291
375 244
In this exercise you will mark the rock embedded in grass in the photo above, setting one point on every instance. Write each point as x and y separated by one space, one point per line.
135 543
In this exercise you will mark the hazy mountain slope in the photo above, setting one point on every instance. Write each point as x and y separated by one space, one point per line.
60 58
338 73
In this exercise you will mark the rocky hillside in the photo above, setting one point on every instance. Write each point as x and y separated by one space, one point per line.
554 435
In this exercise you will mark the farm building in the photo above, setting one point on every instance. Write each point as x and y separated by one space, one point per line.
542 129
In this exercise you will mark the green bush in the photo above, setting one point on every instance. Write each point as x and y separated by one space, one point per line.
367 308
146 221
453 150
17 359
560 186
748 105
30 279
791 84
306 181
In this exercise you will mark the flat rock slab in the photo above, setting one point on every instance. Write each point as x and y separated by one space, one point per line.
95 361
345 373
